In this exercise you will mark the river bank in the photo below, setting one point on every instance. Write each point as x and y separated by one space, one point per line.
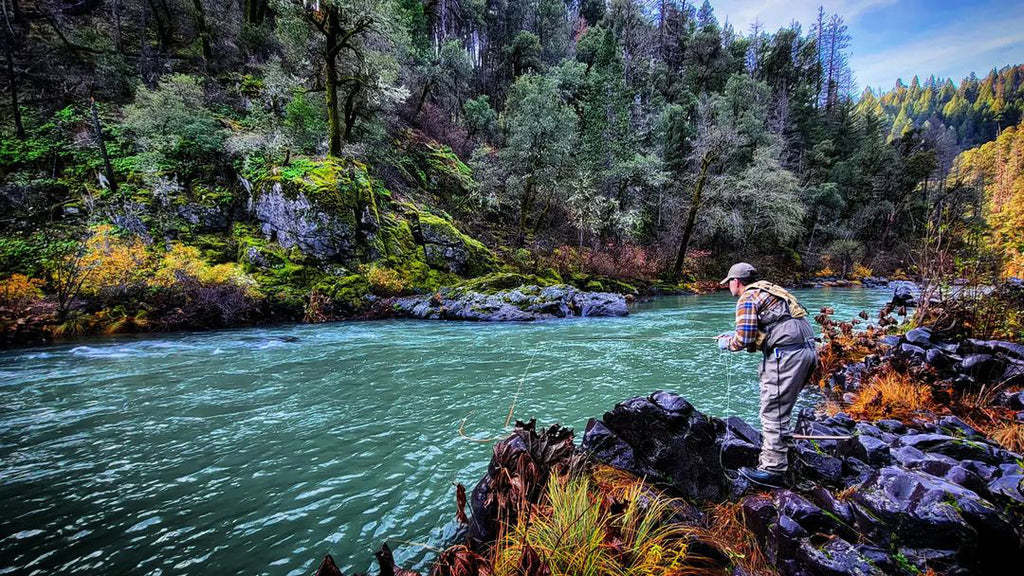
497 297
917 470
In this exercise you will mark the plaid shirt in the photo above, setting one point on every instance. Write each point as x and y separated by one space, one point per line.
746 318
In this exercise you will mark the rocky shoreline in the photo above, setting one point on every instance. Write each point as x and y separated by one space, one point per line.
924 494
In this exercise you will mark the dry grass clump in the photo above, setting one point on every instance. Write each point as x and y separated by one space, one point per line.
892 394
727 531
1009 435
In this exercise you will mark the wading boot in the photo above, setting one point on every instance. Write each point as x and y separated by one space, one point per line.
764 477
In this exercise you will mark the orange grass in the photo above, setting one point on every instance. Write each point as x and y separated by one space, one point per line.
727 531
892 394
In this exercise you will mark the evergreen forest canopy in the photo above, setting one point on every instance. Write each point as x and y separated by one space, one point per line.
622 138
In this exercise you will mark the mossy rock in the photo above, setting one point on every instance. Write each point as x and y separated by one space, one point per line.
328 208
498 281
346 292
445 247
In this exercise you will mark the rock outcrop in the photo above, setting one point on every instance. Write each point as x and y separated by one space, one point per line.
526 303
890 499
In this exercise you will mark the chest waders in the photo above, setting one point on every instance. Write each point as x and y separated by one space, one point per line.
785 334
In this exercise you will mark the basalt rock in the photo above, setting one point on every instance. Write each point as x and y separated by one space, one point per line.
667 439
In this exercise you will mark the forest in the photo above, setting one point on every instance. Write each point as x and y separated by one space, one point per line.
187 163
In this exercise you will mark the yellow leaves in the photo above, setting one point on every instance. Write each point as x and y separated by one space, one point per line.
111 262
181 262
892 394
999 167
386 282
19 290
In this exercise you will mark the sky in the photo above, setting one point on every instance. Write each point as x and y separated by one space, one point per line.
903 38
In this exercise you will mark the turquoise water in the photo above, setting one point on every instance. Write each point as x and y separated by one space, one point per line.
258 451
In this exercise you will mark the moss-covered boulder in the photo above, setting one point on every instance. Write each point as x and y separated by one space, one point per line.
446 248
327 208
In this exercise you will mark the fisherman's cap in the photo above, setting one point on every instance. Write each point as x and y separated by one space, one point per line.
739 270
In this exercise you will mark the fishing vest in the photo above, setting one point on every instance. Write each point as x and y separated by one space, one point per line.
781 320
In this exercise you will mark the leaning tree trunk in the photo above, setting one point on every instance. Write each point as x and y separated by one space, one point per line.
698 189
334 128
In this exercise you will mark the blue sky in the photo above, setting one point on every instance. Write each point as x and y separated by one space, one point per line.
898 39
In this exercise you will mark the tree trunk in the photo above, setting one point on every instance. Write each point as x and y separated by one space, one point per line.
204 31
526 202
350 111
12 78
107 167
331 84
254 11
698 189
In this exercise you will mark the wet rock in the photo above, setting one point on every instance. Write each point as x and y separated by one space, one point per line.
956 448
912 351
922 511
893 426
871 450
961 476
667 435
920 336
760 516
902 295
741 445
600 304
836 557
1010 487
809 516
954 425
983 367
813 464
939 359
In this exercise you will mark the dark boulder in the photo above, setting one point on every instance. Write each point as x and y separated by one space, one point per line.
982 367
668 436
921 511
956 448
920 336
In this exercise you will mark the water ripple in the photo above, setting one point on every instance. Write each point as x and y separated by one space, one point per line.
258 451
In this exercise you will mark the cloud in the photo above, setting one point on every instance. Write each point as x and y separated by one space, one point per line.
775 14
953 51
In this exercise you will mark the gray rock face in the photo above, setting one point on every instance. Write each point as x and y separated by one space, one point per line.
520 305
296 222
204 218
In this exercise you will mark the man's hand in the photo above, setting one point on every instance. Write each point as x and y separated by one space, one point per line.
724 339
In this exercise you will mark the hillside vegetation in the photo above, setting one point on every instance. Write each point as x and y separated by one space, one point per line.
185 163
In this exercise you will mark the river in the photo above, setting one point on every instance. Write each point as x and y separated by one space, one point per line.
257 451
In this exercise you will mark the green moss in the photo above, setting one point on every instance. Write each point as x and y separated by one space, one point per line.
344 291
437 230
341 188
499 281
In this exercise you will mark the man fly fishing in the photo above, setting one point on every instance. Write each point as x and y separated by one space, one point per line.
770 319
